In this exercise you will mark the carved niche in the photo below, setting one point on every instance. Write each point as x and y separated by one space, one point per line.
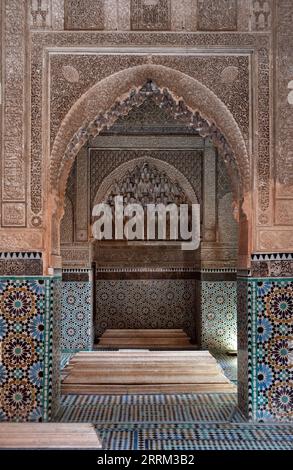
147 185
187 162
146 181
40 14
260 15
150 15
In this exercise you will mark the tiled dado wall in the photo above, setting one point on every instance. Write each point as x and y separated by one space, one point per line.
265 335
150 302
202 303
76 311
29 367
218 300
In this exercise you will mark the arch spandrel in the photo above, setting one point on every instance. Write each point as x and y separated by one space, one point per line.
115 89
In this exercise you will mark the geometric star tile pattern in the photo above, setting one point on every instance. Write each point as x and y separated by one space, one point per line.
26 334
219 315
270 348
76 316
148 303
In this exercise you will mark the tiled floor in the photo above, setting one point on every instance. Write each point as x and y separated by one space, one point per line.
200 436
65 358
179 422
228 364
183 408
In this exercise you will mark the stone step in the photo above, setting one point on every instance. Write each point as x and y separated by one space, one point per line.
149 342
151 377
145 338
144 372
94 389
151 347
200 366
140 360
148 353
138 333
49 436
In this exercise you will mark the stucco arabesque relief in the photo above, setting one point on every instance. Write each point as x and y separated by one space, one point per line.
248 42
166 100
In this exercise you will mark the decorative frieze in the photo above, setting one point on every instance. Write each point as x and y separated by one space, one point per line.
82 197
265 210
14 164
76 274
272 265
21 264
76 256
284 110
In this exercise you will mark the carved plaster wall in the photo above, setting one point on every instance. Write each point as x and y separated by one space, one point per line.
284 110
47 16
186 166
156 15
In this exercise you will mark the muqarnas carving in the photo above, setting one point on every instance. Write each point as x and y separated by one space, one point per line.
150 15
84 14
146 185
